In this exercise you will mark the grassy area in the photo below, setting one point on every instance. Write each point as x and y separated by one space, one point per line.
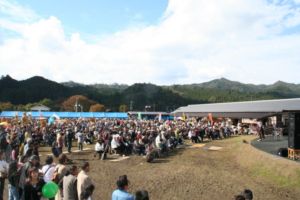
199 173
268 173
276 170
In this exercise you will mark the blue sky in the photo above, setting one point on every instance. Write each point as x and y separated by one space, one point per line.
99 16
157 41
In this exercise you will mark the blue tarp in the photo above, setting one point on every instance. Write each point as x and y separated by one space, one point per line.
118 115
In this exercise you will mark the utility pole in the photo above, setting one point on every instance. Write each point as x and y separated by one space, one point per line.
76 105
131 105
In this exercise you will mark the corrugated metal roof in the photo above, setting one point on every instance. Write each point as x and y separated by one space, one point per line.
242 109
147 113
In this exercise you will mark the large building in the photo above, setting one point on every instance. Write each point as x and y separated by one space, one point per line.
40 108
238 110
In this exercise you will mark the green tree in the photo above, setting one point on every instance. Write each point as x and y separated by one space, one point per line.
123 108
19 107
29 106
47 102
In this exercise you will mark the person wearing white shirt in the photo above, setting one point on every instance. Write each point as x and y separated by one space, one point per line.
115 142
48 169
3 173
158 141
80 139
99 148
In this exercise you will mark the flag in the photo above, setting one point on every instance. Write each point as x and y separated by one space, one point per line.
159 117
183 117
210 117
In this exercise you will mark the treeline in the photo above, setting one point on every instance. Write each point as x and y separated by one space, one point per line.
223 90
22 95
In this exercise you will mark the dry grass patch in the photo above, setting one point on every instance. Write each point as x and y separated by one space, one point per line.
277 170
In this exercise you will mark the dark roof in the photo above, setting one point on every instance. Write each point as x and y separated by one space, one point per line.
147 113
252 109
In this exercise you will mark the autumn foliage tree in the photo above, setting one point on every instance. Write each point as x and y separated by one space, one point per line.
6 106
83 103
97 108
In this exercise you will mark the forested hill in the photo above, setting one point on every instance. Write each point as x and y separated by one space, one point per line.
40 90
31 90
137 96
224 90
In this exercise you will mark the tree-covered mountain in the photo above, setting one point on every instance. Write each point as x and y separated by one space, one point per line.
31 90
137 96
155 97
224 90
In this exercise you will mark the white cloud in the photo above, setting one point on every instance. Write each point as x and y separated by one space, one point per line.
17 12
195 41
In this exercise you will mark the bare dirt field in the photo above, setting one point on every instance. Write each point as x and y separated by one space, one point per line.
198 173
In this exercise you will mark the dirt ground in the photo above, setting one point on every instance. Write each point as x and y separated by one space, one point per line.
198 173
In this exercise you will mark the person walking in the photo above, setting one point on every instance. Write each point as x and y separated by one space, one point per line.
34 185
48 169
60 142
13 181
83 180
80 139
3 173
70 184
59 173
69 136
24 172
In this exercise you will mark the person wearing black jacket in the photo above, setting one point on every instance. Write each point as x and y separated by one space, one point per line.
34 185
32 162
3 173
13 181
70 136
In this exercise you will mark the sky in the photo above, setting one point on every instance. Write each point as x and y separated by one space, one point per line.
154 41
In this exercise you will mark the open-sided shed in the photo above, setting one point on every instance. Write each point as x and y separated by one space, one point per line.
246 109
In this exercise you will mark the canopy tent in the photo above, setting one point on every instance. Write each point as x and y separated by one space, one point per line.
117 115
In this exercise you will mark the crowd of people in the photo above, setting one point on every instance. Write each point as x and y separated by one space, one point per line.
20 140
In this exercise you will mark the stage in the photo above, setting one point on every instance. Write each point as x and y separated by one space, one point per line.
271 144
